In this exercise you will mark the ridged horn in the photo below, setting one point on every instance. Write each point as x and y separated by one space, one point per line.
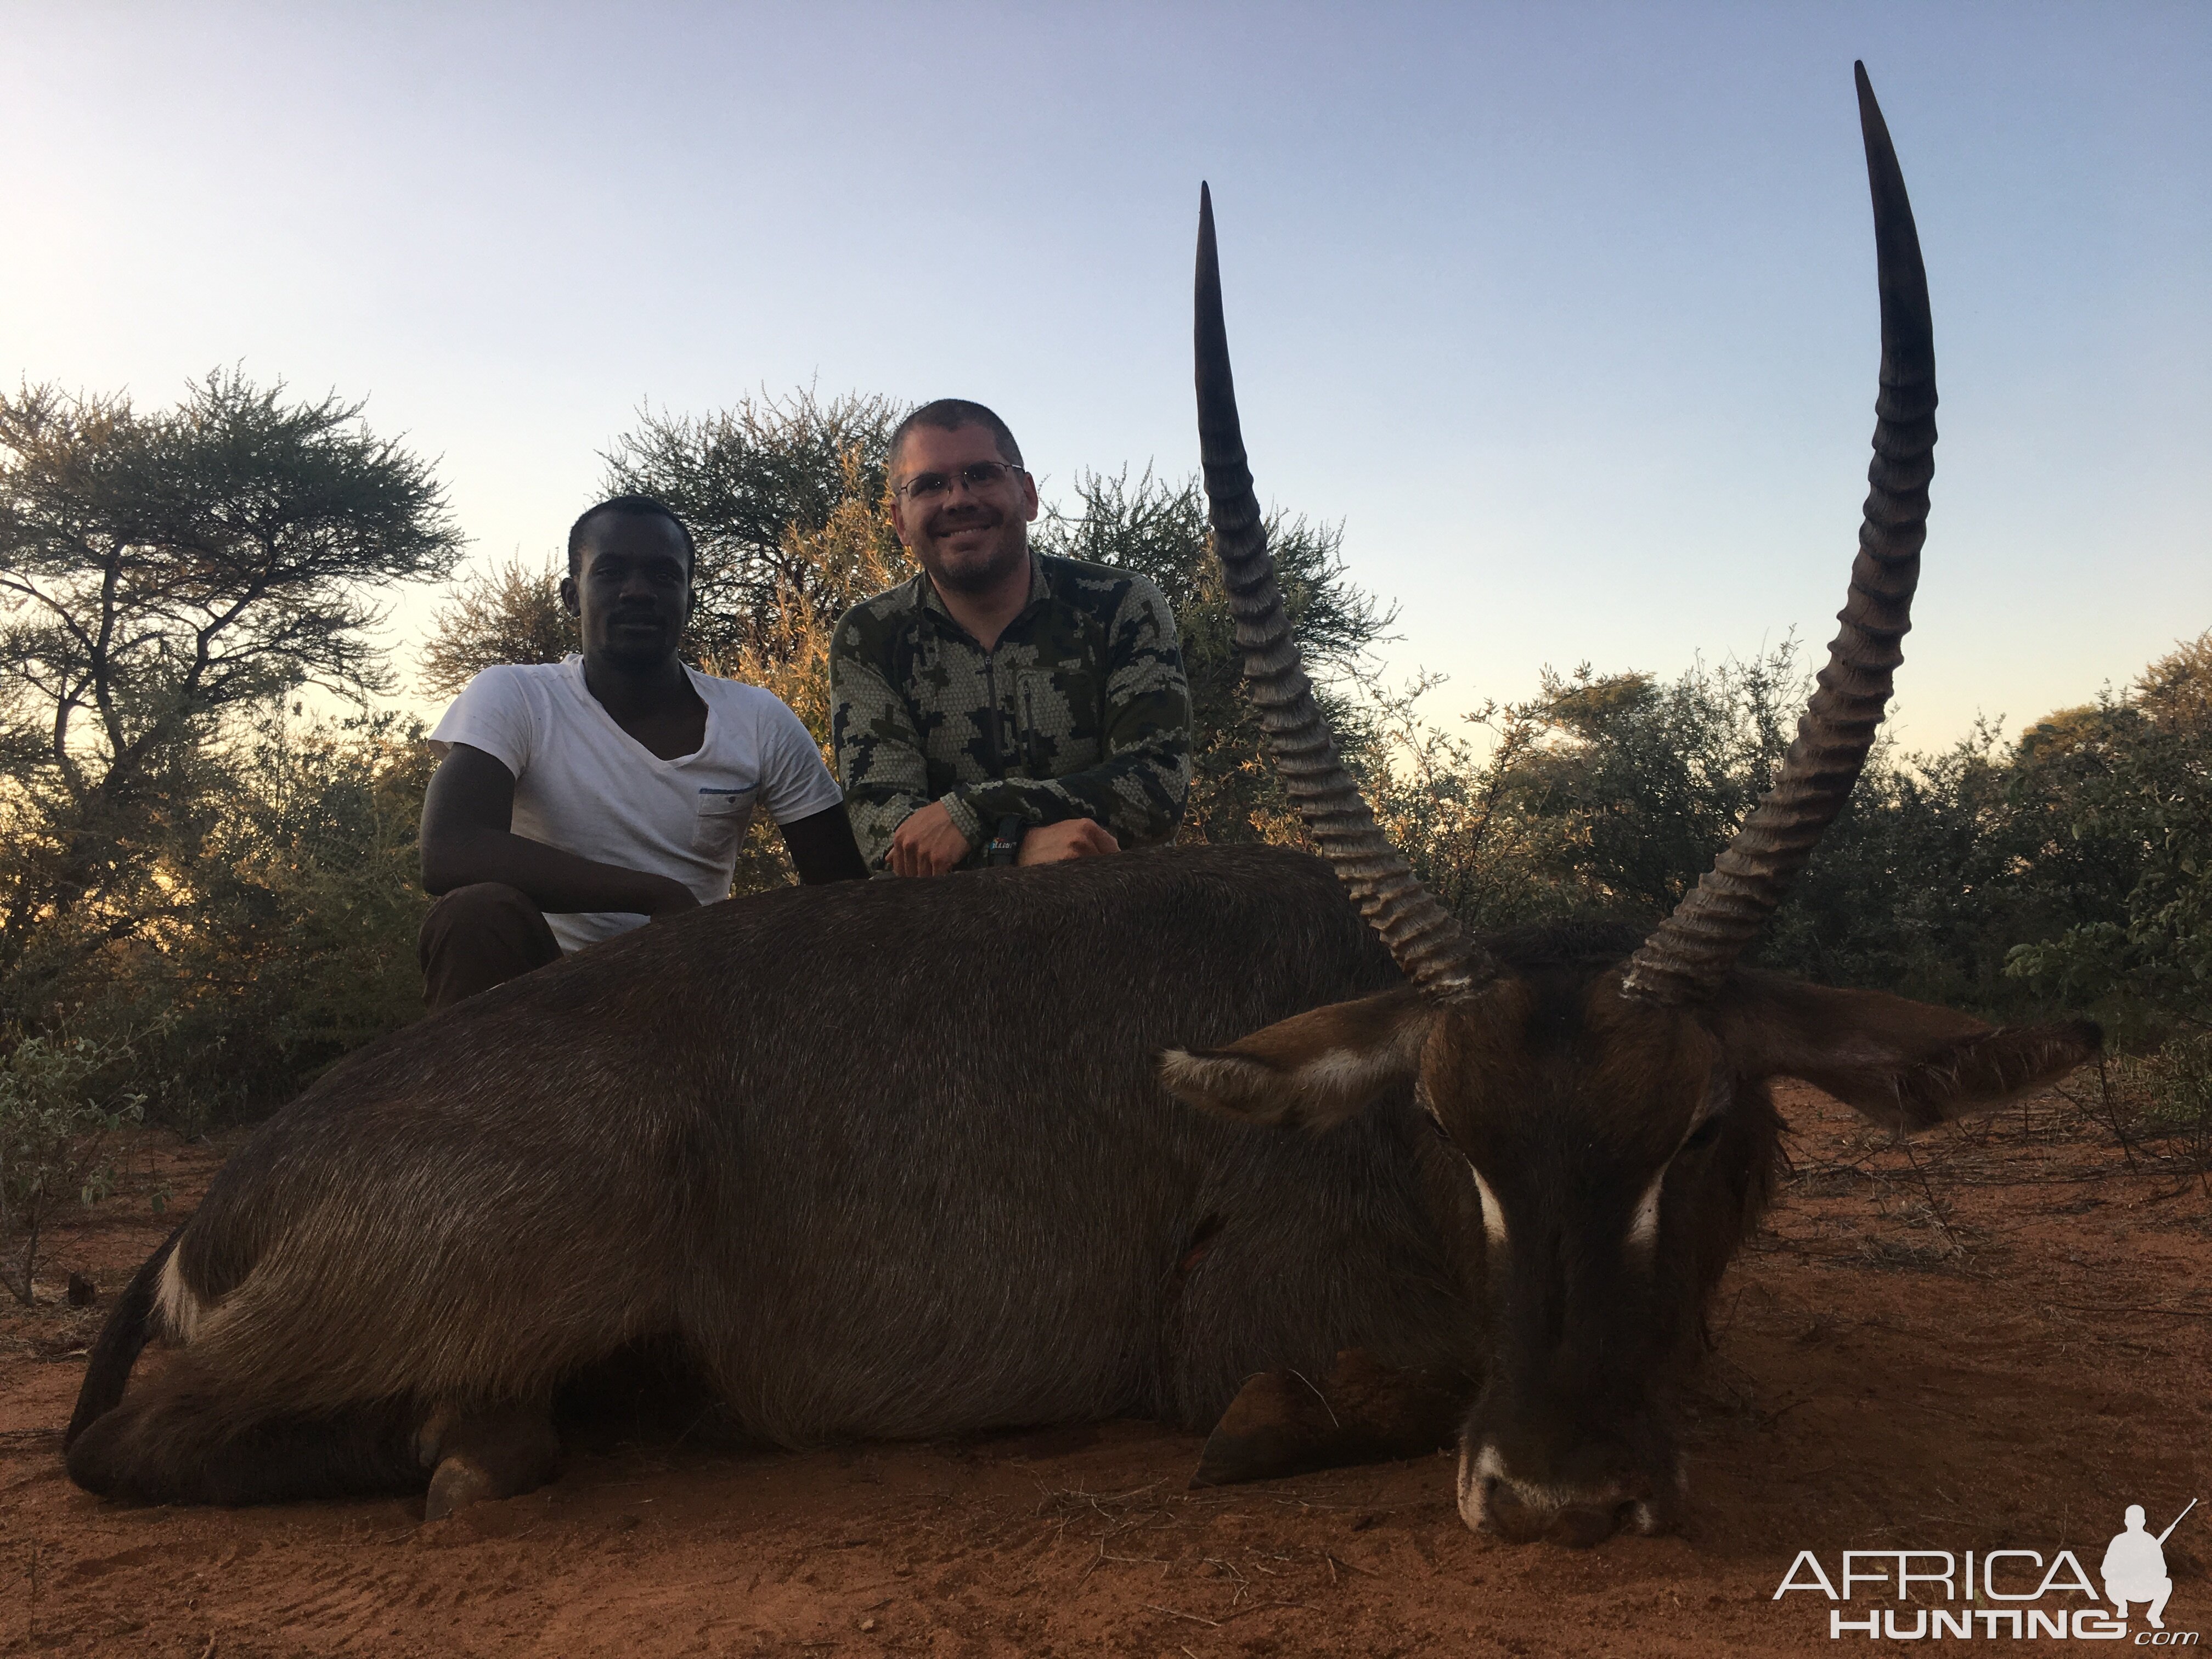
1689 954
1423 938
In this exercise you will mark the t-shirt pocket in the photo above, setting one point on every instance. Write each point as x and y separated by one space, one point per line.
721 821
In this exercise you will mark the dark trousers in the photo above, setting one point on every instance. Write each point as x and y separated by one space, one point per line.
477 937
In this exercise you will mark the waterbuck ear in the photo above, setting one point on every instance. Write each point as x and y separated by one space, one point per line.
1905 1064
1314 1069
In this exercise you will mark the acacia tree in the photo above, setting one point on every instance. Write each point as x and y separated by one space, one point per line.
157 572
511 612
755 482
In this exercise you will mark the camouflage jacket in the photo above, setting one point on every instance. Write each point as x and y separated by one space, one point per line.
1079 711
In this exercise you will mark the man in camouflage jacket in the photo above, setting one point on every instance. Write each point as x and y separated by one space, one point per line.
1003 706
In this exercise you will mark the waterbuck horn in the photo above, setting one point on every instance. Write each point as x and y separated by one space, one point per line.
1690 953
1425 938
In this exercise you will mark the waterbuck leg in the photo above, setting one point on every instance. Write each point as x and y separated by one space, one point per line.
186 1437
1286 1422
479 1455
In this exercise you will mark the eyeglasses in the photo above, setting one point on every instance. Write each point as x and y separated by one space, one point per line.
978 475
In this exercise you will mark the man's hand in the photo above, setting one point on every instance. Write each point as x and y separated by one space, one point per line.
925 843
1071 838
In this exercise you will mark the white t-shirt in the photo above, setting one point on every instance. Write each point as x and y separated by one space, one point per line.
584 785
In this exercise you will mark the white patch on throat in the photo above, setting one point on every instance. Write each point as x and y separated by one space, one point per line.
1643 1225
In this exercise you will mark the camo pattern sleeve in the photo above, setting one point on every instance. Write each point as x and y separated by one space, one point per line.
873 731
1081 710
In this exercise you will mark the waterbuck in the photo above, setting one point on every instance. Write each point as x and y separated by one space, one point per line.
1610 1107
900 1158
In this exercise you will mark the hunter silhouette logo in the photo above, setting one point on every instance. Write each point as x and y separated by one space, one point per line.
2134 1566
2003 1594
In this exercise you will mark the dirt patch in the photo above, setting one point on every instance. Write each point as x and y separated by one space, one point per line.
1997 1337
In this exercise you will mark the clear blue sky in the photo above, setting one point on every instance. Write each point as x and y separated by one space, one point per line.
1566 312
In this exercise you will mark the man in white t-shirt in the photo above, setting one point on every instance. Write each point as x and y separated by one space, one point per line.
578 800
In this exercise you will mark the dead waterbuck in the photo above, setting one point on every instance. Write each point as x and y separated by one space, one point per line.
884 1159
896 1158
1609 1108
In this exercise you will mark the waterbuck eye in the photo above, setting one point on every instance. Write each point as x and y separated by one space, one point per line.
1705 1134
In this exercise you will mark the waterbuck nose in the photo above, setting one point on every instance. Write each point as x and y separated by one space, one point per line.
1526 1512
1577 1524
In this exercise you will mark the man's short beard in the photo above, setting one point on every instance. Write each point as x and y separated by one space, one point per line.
636 656
973 579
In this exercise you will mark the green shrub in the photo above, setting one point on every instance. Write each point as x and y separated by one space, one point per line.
59 1104
273 930
2175 1083
2070 870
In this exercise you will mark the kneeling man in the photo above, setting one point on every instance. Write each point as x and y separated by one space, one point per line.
580 799
2135 1569
1004 706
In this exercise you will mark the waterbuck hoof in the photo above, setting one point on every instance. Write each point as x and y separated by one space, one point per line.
1283 1423
487 1456
458 1483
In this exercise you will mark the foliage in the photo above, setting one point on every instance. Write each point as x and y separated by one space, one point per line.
275 927
159 571
1917 887
58 1105
845 560
851 554
2071 869
755 482
307 896
2174 1082
2175 691
511 612
1159 530
1604 794
2122 801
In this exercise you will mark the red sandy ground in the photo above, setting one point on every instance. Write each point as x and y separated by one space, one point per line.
1998 1342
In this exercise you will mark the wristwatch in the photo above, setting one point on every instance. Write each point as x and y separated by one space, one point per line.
1005 846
